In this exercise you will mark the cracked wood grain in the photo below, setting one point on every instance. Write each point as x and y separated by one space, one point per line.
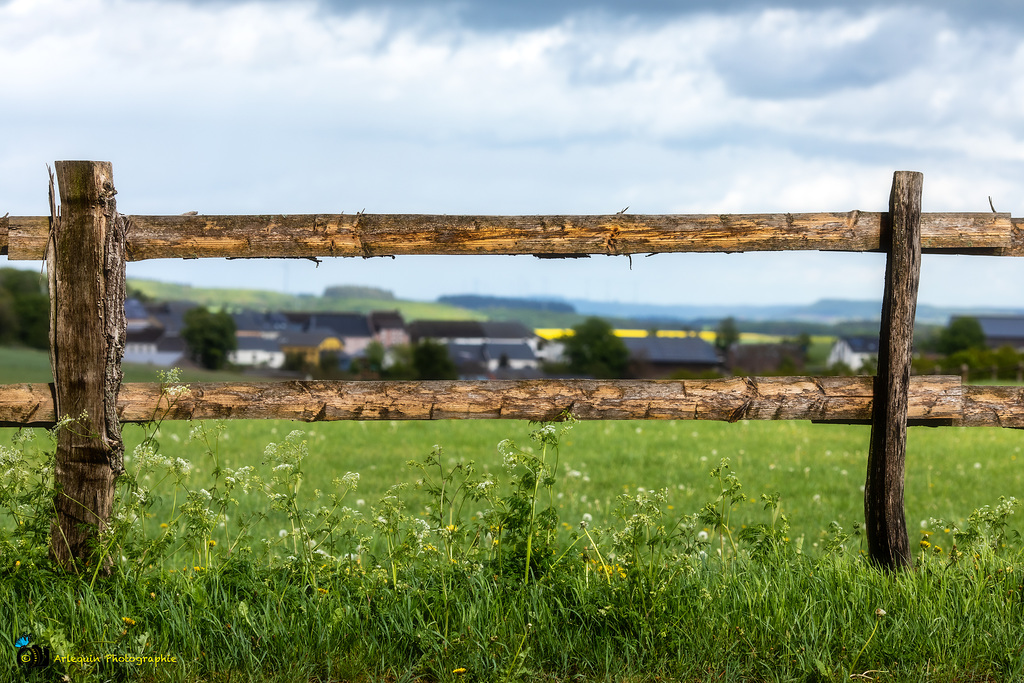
838 399
369 235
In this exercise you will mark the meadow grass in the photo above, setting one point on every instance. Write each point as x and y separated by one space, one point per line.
819 470
606 552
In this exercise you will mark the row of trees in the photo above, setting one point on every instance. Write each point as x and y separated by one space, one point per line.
962 345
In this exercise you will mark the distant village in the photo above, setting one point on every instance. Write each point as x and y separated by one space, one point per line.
283 341
382 344
291 343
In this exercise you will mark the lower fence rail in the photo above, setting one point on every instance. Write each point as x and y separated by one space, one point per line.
934 400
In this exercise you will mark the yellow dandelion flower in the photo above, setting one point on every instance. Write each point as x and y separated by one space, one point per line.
128 621
323 591
17 564
451 528
925 544
212 542
460 670
198 569
163 525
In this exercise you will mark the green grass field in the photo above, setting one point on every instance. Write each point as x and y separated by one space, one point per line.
635 596
818 469
265 300
32 365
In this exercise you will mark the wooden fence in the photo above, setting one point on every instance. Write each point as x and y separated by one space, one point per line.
86 243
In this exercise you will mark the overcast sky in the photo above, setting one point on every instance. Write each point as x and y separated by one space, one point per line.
529 107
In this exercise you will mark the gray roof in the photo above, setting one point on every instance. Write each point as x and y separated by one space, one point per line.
163 359
134 310
672 350
261 322
342 324
144 334
506 330
311 338
520 351
1002 326
464 354
258 344
171 314
862 344
445 329
468 329
382 320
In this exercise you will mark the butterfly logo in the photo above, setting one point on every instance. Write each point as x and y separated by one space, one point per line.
31 656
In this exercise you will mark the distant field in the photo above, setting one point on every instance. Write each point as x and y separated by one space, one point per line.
32 365
276 301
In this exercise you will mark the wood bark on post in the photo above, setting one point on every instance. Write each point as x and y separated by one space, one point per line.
885 520
86 270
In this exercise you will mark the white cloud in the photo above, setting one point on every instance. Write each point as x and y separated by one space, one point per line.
281 107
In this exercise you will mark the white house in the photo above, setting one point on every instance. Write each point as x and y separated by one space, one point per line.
257 352
853 351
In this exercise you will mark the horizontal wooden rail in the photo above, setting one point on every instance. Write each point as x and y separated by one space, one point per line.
366 235
933 400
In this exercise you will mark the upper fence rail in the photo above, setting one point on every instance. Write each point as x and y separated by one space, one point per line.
368 235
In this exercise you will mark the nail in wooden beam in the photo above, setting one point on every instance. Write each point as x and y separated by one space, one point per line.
885 521
86 270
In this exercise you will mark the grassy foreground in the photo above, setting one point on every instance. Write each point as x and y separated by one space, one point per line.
604 552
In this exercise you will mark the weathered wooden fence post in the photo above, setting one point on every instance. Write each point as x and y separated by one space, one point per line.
86 270
885 521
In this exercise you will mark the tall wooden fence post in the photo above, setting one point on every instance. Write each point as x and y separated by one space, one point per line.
885 521
86 270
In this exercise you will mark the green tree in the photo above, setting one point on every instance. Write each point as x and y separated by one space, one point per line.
401 365
376 355
210 337
431 361
962 334
8 318
727 334
25 314
593 349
